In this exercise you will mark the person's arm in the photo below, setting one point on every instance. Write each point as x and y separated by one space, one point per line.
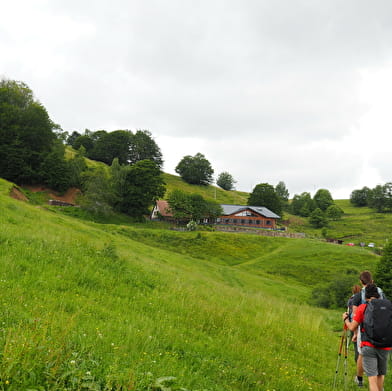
353 325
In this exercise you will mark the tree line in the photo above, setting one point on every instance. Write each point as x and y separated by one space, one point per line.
32 151
378 198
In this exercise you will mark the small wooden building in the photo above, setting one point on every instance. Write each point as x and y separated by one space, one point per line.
161 211
248 216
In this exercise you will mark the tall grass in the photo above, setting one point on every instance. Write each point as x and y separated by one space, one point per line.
88 306
209 192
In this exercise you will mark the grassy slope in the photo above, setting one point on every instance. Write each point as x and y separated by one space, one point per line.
357 225
209 192
109 306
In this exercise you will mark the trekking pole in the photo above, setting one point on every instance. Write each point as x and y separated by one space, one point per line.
347 341
343 339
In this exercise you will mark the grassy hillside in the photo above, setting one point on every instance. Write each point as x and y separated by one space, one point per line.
175 182
209 192
89 306
357 225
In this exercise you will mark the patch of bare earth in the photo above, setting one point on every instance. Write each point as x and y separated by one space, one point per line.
17 194
69 196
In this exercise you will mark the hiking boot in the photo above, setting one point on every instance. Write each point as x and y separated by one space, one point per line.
358 382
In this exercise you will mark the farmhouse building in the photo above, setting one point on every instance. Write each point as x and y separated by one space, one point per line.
161 211
236 215
248 216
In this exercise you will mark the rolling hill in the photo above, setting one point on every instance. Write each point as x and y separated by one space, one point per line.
100 306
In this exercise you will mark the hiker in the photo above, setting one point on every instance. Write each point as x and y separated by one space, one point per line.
359 298
374 358
354 290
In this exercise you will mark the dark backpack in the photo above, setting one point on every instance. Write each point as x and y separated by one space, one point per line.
377 323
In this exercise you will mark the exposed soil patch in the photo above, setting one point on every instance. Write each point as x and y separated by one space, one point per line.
69 196
17 194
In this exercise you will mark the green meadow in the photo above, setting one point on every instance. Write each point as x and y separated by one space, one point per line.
209 192
122 306
358 224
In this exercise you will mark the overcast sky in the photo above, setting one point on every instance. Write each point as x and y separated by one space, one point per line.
297 91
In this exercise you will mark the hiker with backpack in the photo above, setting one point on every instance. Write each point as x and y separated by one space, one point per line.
375 321
359 298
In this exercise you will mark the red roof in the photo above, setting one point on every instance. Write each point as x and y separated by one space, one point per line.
163 208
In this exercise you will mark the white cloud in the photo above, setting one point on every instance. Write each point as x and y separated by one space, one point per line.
296 91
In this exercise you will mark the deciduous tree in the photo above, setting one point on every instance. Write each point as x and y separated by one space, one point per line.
195 170
111 145
141 185
185 206
26 133
334 212
143 147
225 181
283 194
264 195
302 205
360 197
323 199
317 218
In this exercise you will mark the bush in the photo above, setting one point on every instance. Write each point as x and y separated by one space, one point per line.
334 294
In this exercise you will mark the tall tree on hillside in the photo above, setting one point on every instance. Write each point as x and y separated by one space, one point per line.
185 206
84 141
380 198
323 199
127 147
180 205
334 212
265 195
111 145
302 204
141 185
143 147
317 218
225 181
195 170
283 194
360 197
72 138
27 137
98 192
55 171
